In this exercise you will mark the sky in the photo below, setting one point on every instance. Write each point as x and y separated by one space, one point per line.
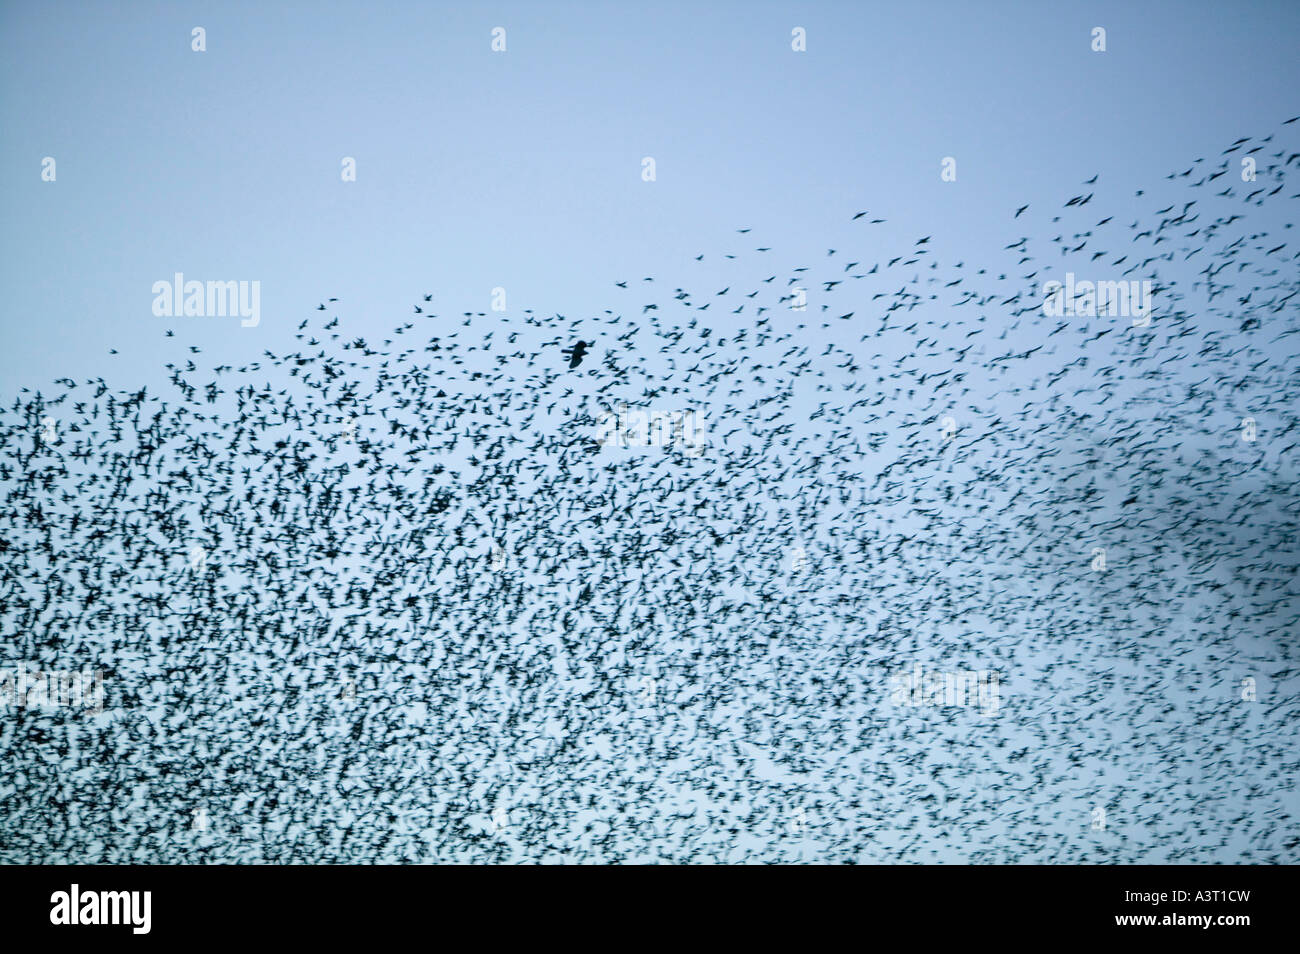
522 170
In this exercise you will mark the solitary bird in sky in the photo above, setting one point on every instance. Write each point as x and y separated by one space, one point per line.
575 354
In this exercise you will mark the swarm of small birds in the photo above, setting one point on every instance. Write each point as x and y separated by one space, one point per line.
399 602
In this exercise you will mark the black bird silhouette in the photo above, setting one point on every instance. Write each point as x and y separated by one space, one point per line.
575 353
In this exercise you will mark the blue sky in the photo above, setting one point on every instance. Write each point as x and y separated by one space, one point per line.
521 169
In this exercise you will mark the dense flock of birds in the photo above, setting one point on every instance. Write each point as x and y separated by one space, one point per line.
396 601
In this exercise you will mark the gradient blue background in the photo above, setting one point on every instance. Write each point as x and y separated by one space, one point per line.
522 170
